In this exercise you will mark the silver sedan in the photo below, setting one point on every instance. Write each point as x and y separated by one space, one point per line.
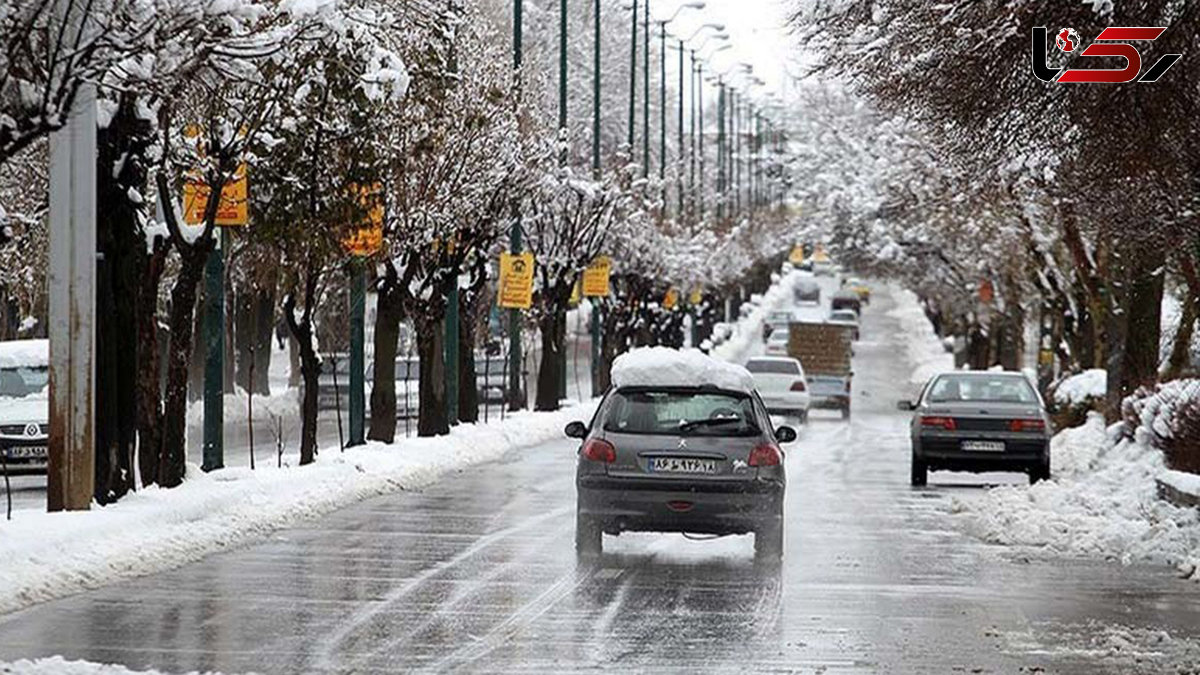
979 421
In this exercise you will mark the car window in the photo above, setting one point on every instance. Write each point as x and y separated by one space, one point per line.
24 382
669 412
778 337
778 366
997 389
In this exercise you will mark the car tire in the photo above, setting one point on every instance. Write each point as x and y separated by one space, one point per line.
768 542
1039 473
846 413
803 417
920 473
589 538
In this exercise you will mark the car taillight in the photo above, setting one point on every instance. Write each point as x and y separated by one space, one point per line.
1027 425
599 450
765 454
946 423
798 385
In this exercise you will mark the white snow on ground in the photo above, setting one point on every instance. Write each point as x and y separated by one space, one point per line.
57 665
1078 388
925 350
663 366
1102 501
24 353
283 404
51 555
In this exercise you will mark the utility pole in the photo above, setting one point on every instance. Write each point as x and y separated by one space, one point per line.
700 123
214 354
562 159
357 394
516 397
720 149
680 150
70 474
646 92
632 76
596 335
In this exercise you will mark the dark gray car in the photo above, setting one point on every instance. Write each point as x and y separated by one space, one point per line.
680 459
979 421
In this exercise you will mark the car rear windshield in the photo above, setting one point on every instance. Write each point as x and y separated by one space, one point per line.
1003 389
672 412
22 382
773 366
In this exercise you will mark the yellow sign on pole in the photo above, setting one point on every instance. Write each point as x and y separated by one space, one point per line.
671 299
234 208
516 280
367 240
797 255
696 296
595 277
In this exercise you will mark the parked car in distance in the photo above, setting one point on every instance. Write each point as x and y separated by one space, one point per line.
846 299
979 421
777 343
780 382
847 317
858 286
807 290
680 443
822 267
24 405
775 321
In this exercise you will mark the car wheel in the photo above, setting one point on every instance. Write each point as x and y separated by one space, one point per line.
803 417
768 542
846 413
920 473
1039 473
589 538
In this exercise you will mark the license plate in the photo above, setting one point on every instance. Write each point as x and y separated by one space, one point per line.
683 465
26 452
983 446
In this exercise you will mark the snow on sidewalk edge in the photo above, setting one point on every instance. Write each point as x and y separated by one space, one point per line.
57 665
48 556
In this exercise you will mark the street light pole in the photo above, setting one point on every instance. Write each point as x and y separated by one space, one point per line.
680 150
646 91
516 398
633 76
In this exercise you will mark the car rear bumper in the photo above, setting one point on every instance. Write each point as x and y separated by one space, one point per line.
833 402
946 453
725 507
784 403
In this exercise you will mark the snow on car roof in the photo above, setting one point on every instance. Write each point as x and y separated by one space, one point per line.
666 367
24 353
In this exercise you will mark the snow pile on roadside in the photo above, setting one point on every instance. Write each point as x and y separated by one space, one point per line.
283 404
925 350
51 555
1102 501
57 665
747 332
663 366
1078 388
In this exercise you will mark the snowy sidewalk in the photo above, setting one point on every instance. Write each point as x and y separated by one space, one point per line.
49 555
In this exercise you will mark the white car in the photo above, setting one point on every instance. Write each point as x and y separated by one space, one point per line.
781 385
24 405
777 343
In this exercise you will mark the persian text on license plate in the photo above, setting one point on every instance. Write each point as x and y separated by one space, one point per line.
683 465
983 446
26 452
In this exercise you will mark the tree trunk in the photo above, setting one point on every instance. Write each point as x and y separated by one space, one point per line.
549 370
388 314
121 148
310 365
243 339
173 459
149 366
294 378
263 328
1143 313
431 411
196 358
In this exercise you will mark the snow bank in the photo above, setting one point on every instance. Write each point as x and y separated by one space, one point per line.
747 331
57 665
663 366
18 353
925 350
283 404
1078 388
51 555
1102 501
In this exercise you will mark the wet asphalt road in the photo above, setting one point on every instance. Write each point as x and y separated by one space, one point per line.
477 573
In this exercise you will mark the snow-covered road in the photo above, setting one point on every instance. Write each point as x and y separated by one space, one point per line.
477 572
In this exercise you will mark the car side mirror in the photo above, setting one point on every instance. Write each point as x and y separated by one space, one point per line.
907 406
576 429
785 434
